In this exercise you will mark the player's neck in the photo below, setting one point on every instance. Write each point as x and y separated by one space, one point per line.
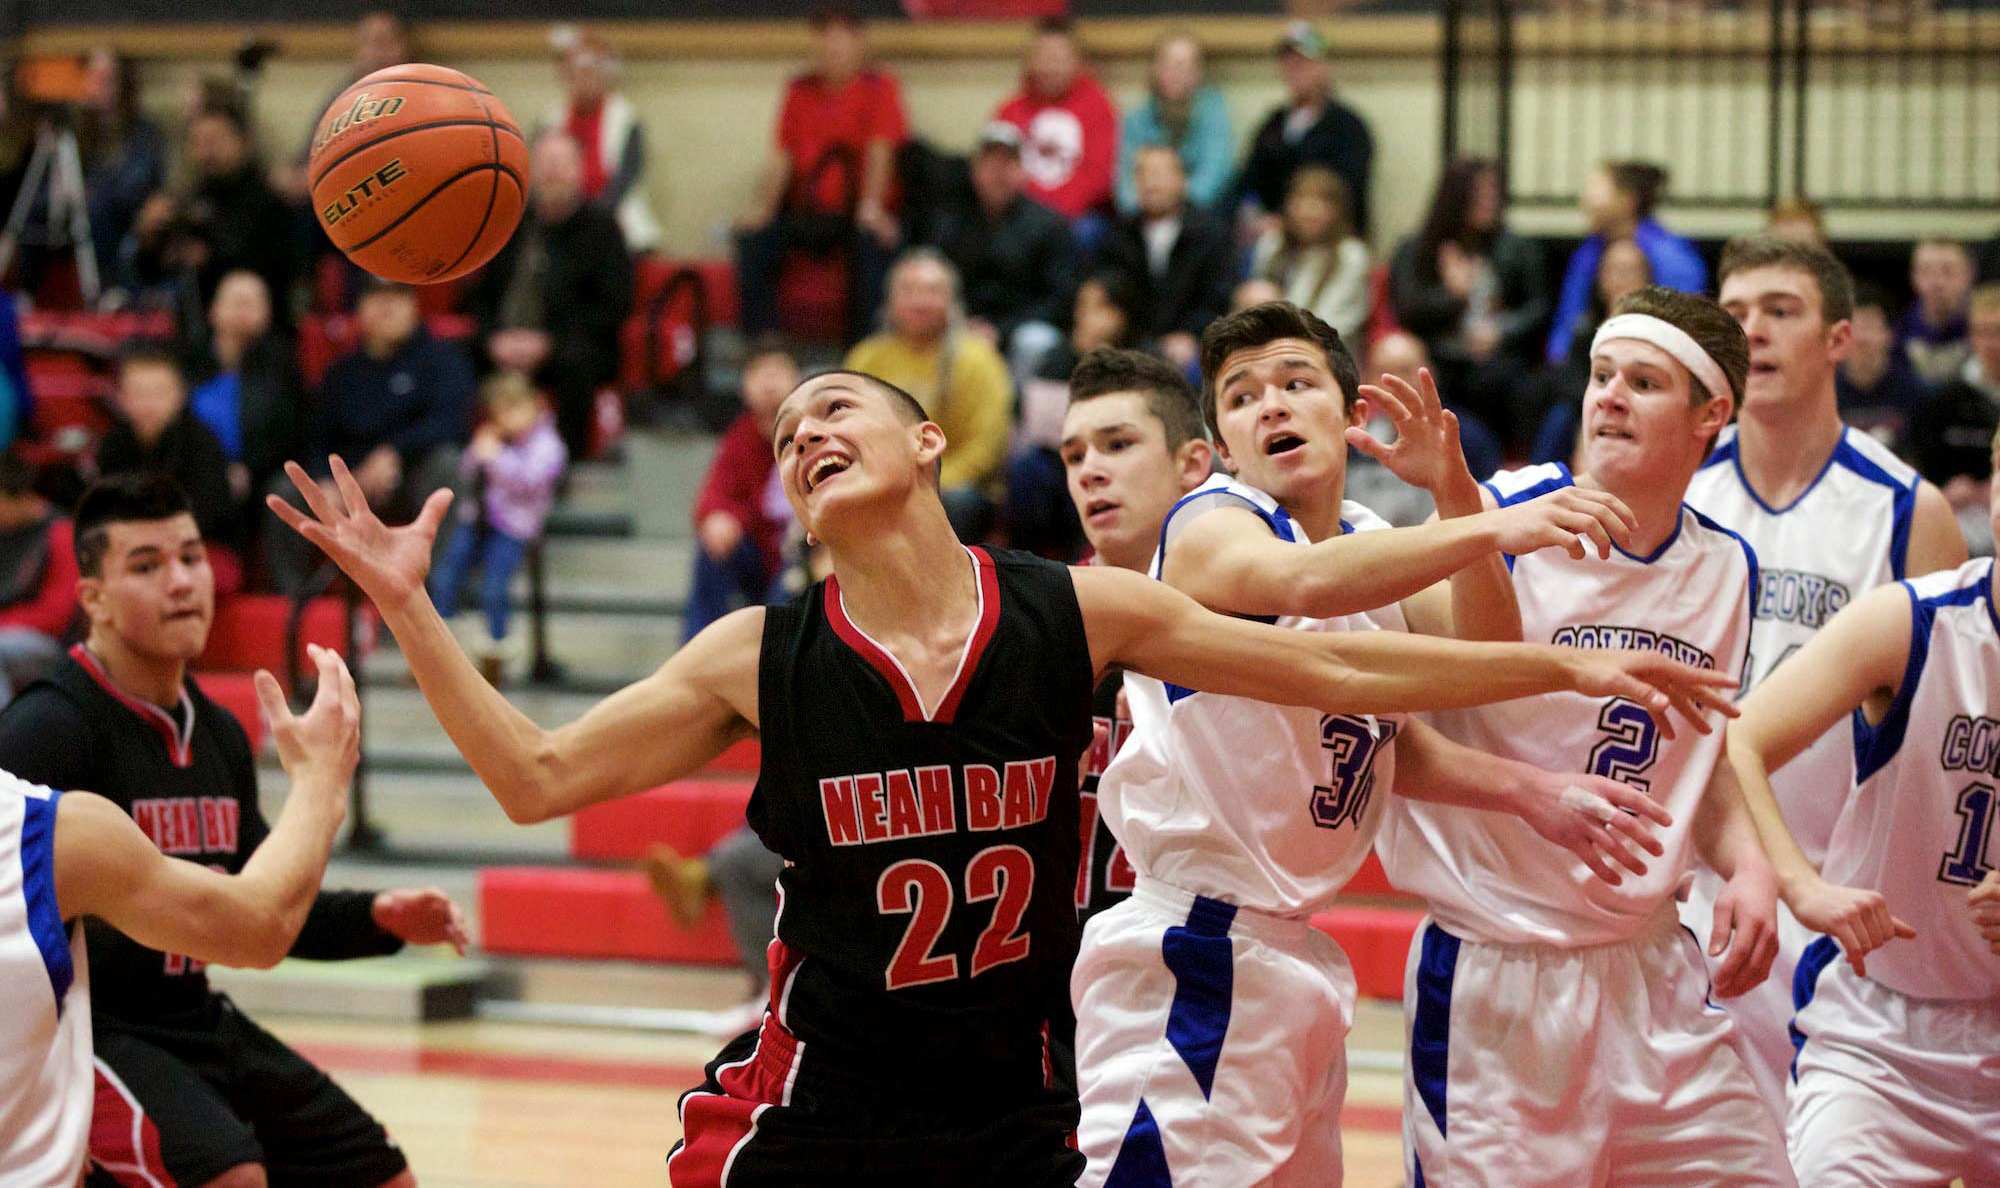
157 682
909 581
1317 510
1657 507
1783 446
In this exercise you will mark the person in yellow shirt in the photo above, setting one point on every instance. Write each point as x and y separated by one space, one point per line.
960 379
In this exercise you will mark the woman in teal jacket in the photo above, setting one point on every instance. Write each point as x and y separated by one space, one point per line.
1184 113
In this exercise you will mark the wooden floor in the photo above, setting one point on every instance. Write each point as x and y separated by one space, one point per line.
511 1105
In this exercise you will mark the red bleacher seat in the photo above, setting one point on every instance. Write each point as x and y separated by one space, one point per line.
102 331
249 631
554 912
237 693
689 816
1377 943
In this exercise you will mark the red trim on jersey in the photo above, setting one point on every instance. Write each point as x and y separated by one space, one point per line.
179 740
880 659
716 1126
124 1144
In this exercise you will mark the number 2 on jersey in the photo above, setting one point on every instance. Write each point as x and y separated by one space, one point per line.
1630 744
923 890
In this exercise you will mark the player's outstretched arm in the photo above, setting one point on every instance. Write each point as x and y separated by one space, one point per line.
1229 561
1147 626
1602 822
659 729
105 867
1856 659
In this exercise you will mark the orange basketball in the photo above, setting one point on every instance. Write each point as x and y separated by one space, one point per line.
418 173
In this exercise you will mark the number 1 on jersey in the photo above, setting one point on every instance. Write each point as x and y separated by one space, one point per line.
921 889
1966 864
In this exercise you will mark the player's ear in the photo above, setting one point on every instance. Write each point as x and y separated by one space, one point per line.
1360 411
930 442
1713 414
90 596
1194 462
1839 341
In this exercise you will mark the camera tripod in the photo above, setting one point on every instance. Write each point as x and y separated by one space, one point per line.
56 169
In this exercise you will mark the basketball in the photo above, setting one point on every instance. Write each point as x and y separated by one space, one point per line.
418 173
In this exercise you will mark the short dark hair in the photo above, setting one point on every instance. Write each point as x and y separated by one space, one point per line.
1643 180
219 105
131 497
1836 284
1108 370
1259 324
1056 25
1710 325
908 409
1868 295
151 352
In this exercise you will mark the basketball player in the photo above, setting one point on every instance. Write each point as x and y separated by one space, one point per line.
1560 1031
189 1090
922 711
1207 998
66 855
1897 1079
1831 514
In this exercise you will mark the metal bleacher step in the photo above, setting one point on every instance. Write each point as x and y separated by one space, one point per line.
599 650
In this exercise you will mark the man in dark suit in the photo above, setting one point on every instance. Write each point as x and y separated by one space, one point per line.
1179 258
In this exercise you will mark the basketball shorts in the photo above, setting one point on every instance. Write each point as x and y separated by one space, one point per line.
755 1120
1593 1066
1210 1044
1763 1014
183 1104
1891 1089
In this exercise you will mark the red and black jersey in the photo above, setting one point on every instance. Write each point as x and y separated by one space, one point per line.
1104 876
927 918
189 781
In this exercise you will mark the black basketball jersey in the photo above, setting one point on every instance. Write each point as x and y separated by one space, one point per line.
1104 876
927 919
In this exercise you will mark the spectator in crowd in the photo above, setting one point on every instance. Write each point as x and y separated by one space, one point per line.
228 218
1069 129
1401 354
1310 128
1933 330
1314 256
550 304
155 432
1952 432
1879 394
1186 115
1556 391
830 181
511 470
740 516
246 386
926 350
37 579
1180 258
1618 202
1797 219
397 408
124 154
1038 515
1254 291
1476 293
613 142
381 40
1014 256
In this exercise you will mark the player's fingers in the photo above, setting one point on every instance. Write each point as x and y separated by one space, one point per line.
1368 443
434 510
271 697
1630 799
1598 866
1606 500
310 491
1610 843
1720 927
350 490
1393 397
1639 831
1901 928
1427 391
1579 523
1688 709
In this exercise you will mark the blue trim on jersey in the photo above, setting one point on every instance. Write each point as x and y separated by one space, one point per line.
1199 956
1902 507
1666 544
1281 525
1418 1166
1563 479
1750 597
1779 511
1724 452
1142 1156
1822 952
1875 745
38 887
1430 1028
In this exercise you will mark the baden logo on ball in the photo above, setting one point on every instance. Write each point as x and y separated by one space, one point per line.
418 173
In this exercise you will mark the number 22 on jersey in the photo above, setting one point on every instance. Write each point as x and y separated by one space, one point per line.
922 889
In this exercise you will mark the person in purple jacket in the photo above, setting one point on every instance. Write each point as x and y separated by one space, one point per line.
513 465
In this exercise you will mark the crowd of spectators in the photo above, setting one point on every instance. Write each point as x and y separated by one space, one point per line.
974 276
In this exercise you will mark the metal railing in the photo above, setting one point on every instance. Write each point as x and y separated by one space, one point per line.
1891 105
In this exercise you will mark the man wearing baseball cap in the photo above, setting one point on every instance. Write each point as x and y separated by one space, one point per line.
1310 128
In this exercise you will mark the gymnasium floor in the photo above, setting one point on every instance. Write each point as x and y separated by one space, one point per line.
520 1105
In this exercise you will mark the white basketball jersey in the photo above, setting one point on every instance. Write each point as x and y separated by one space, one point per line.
1847 534
1919 826
1266 806
1489 876
45 1072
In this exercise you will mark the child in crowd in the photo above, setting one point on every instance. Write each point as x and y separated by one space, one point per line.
1314 256
513 465
740 516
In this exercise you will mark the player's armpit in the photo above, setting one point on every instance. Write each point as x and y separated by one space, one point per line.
1935 540
105 867
647 734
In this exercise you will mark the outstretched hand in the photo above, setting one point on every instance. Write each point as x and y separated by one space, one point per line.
326 739
1600 821
421 917
1656 682
1426 453
1564 519
389 564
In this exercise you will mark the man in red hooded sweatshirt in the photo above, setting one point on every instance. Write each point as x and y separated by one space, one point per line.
1069 126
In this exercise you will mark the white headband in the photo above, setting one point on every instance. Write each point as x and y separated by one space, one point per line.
1671 339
